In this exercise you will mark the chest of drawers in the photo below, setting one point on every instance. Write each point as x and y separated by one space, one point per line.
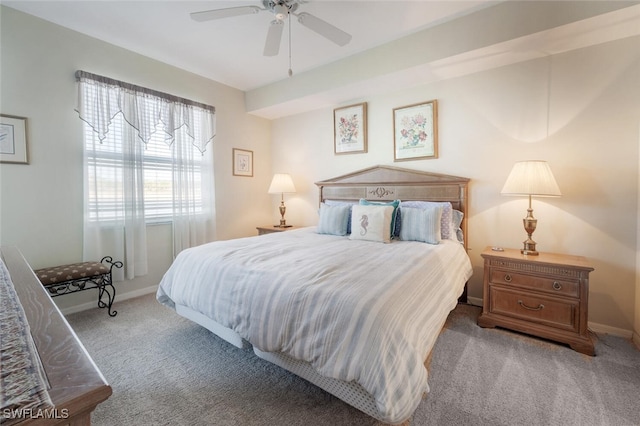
545 296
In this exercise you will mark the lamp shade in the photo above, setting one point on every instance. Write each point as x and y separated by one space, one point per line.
531 178
281 183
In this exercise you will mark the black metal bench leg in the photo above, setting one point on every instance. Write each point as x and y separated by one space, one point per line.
111 296
107 281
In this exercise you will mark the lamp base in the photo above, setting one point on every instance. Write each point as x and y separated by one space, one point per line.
530 223
283 222
529 248
529 252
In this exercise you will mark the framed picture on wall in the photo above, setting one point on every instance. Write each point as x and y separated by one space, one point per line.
415 131
350 129
242 162
13 139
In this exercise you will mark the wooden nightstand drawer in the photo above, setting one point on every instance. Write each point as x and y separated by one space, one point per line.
530 265
548 285
557 313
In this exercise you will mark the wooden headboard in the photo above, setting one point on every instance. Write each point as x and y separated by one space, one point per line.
386 183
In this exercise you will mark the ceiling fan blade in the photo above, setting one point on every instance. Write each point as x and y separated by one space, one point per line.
208 15
324 28
274 36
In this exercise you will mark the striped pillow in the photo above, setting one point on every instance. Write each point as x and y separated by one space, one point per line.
343 203
446 221
421 224
333 219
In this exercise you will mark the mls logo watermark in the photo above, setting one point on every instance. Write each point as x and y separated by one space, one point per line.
30 413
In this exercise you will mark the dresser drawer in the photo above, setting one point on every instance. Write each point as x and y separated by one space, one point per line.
548 285
554 312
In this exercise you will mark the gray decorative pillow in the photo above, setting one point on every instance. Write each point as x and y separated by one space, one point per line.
457 222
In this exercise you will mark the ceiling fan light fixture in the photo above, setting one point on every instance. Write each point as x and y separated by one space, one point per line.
281 11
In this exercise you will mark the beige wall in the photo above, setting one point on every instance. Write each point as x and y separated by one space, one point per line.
489 120
41 203
636 328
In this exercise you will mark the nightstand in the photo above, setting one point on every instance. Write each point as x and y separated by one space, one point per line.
269 229
545 296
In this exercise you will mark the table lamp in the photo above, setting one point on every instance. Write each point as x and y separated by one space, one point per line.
531 178
280 184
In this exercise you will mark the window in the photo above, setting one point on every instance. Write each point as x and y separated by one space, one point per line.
105 168
145 162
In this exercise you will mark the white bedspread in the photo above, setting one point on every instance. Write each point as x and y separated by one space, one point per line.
356 310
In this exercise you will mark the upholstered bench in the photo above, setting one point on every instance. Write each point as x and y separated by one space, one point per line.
67 279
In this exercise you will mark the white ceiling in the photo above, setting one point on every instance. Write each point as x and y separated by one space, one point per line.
480 34
230 50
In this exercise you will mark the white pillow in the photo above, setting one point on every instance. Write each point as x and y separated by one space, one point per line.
371 223
333 219
422 224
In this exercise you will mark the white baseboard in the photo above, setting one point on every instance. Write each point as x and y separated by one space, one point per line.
595 327
475 301
606 329
121 297
636 339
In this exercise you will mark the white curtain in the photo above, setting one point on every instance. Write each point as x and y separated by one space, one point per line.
114 221
101 98
123 119
193 197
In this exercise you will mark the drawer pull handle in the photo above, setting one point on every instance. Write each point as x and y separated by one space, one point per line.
556 285
539 308
507 278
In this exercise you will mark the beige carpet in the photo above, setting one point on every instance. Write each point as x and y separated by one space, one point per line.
165 370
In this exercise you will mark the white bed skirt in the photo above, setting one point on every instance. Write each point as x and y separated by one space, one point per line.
350 392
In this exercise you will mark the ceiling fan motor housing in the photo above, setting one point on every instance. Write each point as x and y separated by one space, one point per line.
280 8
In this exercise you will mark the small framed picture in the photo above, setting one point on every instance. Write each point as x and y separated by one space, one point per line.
415 131
242 162
13 139
350 129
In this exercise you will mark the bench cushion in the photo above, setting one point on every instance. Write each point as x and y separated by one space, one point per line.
74 271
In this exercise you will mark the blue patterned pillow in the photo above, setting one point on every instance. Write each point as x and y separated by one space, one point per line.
333 219
421 224
394 204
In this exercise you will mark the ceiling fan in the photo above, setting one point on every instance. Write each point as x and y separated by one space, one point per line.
281 9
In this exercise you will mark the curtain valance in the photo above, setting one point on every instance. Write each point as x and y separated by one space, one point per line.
144 109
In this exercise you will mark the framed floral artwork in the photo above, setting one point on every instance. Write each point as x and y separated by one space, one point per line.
350 129
13 139
415 131
242 162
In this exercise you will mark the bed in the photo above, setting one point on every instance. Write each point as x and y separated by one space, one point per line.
355 315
